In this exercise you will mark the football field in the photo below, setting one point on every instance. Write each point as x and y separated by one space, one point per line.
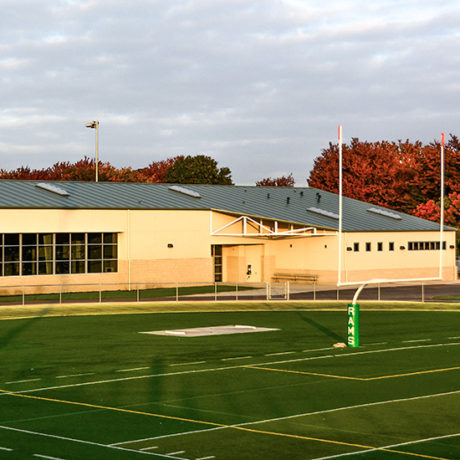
231 385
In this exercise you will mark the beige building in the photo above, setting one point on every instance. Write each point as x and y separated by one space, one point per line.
54 233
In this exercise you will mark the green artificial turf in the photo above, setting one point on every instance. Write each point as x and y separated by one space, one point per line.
94 387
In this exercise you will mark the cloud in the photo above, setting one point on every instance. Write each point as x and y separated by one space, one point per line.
260 86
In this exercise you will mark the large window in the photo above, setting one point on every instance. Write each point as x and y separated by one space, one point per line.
425 245
216 253
57 253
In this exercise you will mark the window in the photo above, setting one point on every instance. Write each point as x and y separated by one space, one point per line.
102 252
391 246
368 247
356 247
45 254
11 256
425 245
62 253
109 252
379 246
57 253
29 254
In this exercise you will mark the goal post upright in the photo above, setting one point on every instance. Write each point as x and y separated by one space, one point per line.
353 308
441 206
339 258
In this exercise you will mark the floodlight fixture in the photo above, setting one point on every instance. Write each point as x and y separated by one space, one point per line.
95 125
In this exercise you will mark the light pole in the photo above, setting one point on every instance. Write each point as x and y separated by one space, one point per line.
95 125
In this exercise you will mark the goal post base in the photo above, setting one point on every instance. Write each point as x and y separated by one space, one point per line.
353 325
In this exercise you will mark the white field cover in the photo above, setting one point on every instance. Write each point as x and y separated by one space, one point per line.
212 330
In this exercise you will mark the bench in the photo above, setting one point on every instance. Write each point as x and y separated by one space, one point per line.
295 277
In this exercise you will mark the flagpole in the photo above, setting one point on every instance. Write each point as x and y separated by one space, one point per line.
339 270
441 219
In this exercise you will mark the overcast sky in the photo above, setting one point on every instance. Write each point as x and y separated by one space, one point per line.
258 85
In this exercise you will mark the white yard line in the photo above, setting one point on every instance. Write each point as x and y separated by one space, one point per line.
22 381
74 375
154 438
415 341
413 347
392 446
317 349
236 357
134 369
79 441
187 364
7 449
47 457
454 337
239 366
206 458
281 353
357 406
304 414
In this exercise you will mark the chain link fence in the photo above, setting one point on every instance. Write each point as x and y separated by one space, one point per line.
266 291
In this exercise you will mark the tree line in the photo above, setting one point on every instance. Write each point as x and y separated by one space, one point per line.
199 169
402 175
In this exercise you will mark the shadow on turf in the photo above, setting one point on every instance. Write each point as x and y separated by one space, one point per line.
23 325
320 327
16 331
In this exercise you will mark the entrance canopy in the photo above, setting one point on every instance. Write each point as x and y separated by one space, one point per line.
249 227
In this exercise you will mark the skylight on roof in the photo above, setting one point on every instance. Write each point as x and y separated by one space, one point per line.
323 212
184 191
52 189
385 213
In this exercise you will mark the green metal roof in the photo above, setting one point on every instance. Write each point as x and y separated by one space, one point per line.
303 205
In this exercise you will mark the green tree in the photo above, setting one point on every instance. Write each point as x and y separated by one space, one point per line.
199 169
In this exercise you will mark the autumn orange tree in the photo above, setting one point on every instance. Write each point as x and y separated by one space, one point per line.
81 170
400 175
156 170
193 169
282 181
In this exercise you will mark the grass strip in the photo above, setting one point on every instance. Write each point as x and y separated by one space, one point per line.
119 308
144 294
